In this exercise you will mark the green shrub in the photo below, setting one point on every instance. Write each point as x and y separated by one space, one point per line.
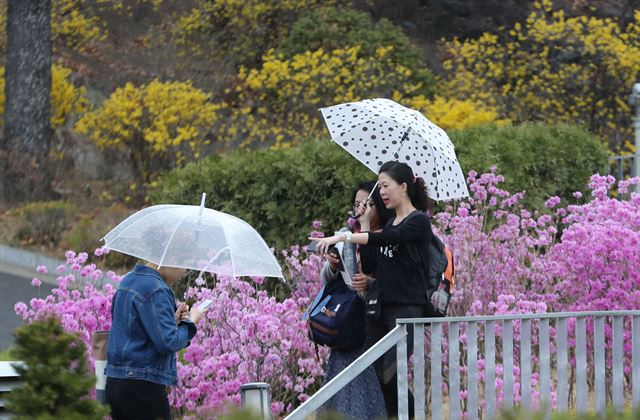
55 380
88 228
544 160
84 234
278 192
281 192
335 28
42 222
7 355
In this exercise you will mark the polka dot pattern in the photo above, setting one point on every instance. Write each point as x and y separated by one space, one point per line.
375 131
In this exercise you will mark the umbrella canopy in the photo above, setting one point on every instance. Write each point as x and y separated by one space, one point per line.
375 131
195 238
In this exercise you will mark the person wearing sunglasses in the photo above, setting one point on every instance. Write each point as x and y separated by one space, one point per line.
362 398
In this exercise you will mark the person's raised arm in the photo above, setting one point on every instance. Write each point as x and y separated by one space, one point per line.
414 227
158 317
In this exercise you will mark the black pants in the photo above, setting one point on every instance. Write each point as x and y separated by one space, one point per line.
386 365
137 400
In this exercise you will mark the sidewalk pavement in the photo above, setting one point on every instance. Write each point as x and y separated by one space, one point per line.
21 263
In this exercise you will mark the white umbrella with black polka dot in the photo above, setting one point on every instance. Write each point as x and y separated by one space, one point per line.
375 131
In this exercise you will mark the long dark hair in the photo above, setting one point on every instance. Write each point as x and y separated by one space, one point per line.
416 188
384 214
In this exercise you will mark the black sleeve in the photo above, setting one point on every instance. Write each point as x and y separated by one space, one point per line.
413 228
368 258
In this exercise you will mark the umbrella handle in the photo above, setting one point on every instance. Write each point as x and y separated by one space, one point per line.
204 198
372 190
404 137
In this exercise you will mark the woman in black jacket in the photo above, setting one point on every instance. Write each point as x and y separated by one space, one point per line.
397 255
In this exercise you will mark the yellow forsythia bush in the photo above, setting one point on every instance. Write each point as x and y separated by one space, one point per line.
71 23
159 123
277 104
552 68
66 98
77 23
241 29
455 113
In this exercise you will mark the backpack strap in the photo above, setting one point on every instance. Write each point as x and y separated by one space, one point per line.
450 271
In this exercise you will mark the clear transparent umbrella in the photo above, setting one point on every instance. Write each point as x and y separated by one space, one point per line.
195 238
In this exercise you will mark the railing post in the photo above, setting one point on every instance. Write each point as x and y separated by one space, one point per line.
454 371
562 363
636 363
418 371
618 361
403 385
525 364
620 170
507 363
599 366
545 368
436 371
490 366
472 371
581 365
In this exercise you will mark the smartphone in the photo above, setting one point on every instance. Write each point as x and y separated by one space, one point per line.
335 252
312 247
205 304
332 249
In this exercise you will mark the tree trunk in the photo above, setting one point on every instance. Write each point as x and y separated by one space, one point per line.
24 150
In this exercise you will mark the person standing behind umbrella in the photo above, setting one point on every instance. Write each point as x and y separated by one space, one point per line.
147 330
392 255
362 398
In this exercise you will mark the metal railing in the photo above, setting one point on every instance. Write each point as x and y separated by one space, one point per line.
545 348
621 166
9 379
396 336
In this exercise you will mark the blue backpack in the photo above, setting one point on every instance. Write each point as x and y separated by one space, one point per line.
336 317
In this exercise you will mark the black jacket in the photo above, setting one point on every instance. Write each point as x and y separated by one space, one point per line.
397 256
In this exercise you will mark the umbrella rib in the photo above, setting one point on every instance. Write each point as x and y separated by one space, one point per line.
132 224
231 256
169 241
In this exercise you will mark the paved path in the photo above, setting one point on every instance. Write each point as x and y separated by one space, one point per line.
17 268
13 289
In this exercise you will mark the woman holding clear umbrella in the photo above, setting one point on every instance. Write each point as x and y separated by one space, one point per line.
394 255
148 328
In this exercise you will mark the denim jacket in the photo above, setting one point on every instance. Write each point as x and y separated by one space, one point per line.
144 337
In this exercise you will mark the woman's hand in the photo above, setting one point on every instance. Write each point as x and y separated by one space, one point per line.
365 210
334 261
196 313
360 282
323 244
182 312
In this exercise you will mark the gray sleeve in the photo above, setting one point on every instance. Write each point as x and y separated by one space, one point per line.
326 275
